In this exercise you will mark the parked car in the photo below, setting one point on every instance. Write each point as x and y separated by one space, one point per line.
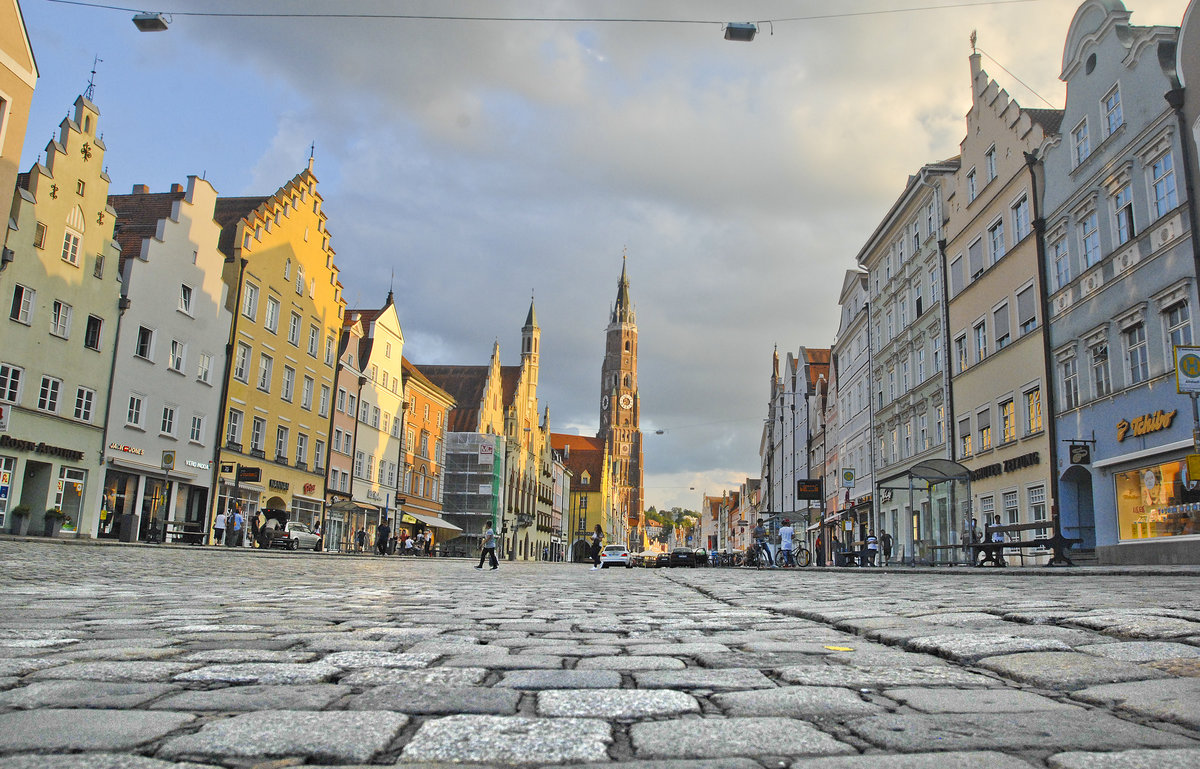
291 535
615 555
683 556
701 557
662 560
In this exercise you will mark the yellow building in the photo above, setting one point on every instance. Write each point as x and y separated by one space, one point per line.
591 500
18 76
426 417
288 310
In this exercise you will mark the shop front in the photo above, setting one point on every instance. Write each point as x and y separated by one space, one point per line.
923 508
146 504
37 476
1126 486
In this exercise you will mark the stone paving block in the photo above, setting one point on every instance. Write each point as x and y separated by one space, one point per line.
712 737
796 702
448 646
1176 700
235 699
1067 670
505 661
25 665
628 662
339 737
1135 625
562 679
510 740
688 763
70 729
881 676
348 643
422 677
269 673
117 671
679 649
982 759
1009 731
439 700
722 679
355 660
969 647
92 761
621 704
83 694
1141 651
974 700
1185 666
233 656
8 682
762 660
117 653
1173 758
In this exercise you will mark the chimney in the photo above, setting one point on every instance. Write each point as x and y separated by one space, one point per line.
141 189
176 187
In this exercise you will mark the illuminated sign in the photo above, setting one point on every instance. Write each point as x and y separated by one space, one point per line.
126 449
1144 425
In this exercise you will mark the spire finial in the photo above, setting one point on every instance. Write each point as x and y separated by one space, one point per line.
974 37
312 153
90 91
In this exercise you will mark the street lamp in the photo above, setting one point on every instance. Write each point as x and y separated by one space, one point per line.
150 22
740 31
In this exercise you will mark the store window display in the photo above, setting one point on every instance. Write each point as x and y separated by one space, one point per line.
1157 501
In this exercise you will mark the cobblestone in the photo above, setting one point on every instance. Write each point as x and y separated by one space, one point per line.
133 657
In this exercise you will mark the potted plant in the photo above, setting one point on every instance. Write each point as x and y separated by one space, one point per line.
20 520
53 521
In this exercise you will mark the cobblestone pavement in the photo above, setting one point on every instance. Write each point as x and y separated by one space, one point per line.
147 658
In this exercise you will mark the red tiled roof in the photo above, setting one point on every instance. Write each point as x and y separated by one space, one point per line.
586 454
1049 119
230 211
137 218
466 385
412 372
509 376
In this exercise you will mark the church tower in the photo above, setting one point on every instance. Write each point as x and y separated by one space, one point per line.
620 414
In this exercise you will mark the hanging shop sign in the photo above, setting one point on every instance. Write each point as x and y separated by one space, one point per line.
249 474
1081 454
40 448
1144 425
809 489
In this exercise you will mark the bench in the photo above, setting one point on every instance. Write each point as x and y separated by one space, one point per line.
191 533
993 552
966 554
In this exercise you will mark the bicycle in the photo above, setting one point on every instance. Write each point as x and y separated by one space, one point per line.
759 556
801 556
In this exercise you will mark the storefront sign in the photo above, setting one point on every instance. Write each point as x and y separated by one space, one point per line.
1081 454
126 449
197 465
249 474
809 489
374 495
5 409
1150 423
40 448
226 467
309 488
1007 466
278 485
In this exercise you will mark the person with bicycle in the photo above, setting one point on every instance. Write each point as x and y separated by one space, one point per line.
760 542
786 533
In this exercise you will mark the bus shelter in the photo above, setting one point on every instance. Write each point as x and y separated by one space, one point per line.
927 508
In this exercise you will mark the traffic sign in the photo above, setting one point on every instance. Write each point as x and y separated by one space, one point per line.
848 477
1187 369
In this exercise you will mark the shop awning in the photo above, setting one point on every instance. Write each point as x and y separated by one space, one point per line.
429 520
350 506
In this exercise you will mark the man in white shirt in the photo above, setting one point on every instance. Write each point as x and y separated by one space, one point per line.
219 529
786 533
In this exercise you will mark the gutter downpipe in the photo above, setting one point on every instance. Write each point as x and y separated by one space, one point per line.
230 345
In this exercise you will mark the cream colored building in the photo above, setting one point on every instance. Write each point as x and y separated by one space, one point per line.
18 76
62 289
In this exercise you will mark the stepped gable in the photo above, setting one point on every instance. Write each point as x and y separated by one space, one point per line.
227 213
230 211
466 385
138 215
1049 119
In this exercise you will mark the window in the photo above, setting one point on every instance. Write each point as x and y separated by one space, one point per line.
258 427
1101 376
1037 508
424 444
22 304
314 339
329 351
922 432
60 319
337 439
1123 213
359 458
1000 326
975 258
133 413
382 471
1083 146
70 249
271 320
289 384
396 426
177 353
1179 324
972 187
167 426
301 449
204 368
989 163
80 186
144 347
1026 310
1112 110
341 400
318 455
940 425
324 410
996 240
1089 238
265 364
375 417
299 279
92 333
1011 515
960 353
250 301
364 411
39 235
1070 383
1008 421
921 365
964 438
233 427
1033 411
185 299
1136 351
306 394
935 285
937 352
85 400
1020 215
1163 173
294 330
1062 265
241 363
196 434
981 342
984 421
281 444
98 269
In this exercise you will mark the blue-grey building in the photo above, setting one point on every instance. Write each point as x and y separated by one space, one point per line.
1122 289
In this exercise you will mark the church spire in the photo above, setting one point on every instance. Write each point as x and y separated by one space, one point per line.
623 310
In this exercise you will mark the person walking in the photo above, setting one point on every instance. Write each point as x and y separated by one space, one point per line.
786 533
819 550
885 543
597 537
219 530
361 539
488 550
235 527
872 548
383 533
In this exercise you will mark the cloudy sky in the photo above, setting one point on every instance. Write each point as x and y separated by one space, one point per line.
487 161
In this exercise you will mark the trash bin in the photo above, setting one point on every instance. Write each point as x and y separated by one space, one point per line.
127 527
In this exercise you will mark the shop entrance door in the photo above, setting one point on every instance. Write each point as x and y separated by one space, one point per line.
35 490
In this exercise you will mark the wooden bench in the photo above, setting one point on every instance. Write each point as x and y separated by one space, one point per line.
993 552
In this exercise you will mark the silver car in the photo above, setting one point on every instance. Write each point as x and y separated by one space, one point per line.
295 535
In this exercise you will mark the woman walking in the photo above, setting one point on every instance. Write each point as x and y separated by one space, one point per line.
596 537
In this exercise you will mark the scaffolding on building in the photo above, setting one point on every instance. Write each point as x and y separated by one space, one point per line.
472 486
